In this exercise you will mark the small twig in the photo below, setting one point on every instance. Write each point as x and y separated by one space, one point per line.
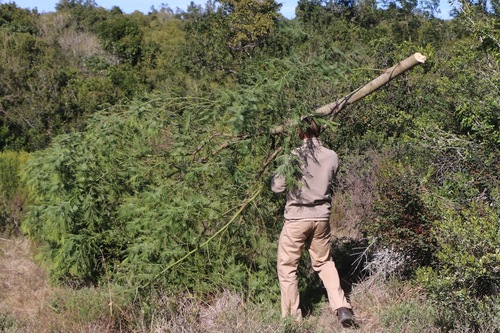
363 254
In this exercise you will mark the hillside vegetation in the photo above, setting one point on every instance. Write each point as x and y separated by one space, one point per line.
136 155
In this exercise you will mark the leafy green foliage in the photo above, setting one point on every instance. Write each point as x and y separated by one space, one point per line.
15 19
249 22
77 188
122 36
128 196
464 284
57 75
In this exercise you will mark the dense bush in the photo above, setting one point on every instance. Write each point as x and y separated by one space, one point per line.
401 220
464 283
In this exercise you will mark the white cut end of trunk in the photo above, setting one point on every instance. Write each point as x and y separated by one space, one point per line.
420 57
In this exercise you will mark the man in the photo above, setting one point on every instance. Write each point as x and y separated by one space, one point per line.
307 223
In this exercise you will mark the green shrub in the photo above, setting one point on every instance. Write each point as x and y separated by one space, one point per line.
12 194
412 316
465 284
401 219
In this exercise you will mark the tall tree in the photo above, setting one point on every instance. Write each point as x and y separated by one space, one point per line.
249 22
68 4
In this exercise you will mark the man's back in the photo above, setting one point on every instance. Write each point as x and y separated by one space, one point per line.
311 200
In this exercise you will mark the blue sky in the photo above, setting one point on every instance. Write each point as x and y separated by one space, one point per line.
287 8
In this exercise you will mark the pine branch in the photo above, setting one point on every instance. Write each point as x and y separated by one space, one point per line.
334 108
200 147
244 204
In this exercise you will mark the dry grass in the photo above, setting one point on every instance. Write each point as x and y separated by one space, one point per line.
28 303
380 306
24 286
376 302
226 313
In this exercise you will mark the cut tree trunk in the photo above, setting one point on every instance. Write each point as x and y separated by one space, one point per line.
334 108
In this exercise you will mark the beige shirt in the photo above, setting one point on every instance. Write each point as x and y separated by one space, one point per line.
312 199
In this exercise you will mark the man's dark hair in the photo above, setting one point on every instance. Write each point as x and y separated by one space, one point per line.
309 128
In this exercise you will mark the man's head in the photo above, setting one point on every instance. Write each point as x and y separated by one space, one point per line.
309 129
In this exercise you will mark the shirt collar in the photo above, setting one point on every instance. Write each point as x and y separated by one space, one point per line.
314 140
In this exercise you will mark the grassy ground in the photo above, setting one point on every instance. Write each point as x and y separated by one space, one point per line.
28 303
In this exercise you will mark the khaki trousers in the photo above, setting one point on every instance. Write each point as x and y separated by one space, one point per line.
294 236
